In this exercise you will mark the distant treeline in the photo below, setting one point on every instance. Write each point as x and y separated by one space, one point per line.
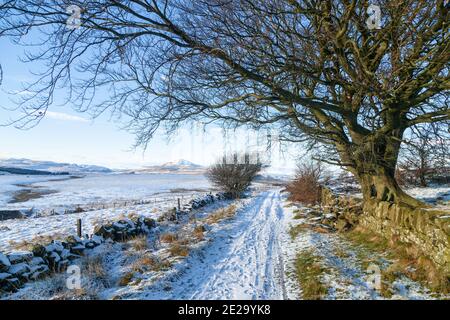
31 172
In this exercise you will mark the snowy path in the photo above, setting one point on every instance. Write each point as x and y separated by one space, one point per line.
243 261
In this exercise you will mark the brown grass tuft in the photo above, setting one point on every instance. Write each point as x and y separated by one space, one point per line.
93 266
126 279
294 231
221 214
198 233
150 263
168 237
139 243
179 250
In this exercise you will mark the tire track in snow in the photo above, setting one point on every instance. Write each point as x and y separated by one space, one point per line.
242 262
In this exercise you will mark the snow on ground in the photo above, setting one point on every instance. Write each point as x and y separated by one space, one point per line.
432 194
435 194
103 267
15 231
250 256
95 189
10 183
160 190
346 275
241 262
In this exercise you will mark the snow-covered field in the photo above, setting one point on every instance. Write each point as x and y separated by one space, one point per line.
94 189
15 231
433 195
250 256
9 184
158 191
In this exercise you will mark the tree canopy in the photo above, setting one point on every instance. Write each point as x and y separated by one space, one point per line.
313 68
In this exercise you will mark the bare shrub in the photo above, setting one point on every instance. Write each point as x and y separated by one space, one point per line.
233 177
306 187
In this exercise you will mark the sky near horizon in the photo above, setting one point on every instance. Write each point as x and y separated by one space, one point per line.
67 136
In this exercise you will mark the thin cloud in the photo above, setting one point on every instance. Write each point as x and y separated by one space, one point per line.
64 116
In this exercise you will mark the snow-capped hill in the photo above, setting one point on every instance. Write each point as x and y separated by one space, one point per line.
181 164
51 166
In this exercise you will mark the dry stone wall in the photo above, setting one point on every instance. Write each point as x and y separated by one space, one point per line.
426 229
17 268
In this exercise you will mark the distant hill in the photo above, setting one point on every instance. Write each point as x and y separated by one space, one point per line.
180 166
30 172
30 167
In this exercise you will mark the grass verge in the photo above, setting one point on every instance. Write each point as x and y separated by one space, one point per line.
309 271
406 259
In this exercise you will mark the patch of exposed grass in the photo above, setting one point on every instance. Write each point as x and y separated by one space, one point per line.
309 272
198 233
221 214
162 265
341 253
320 229
126 279
30 194
299 214
294 231
39 239
93 267
407 260
139 243
168 237
179 250
368 240
150 263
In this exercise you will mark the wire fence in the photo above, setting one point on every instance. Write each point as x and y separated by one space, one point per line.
166 200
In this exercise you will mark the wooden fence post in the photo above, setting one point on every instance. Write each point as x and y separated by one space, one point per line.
79 231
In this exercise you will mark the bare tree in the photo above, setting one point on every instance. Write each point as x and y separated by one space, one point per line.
315 69
233 177
425 154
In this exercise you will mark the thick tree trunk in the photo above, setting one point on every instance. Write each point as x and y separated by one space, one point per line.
373 160
382 186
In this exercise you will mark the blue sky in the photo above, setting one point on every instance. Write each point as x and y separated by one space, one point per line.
66 136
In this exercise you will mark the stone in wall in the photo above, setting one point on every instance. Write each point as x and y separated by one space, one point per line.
427 229
18 268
